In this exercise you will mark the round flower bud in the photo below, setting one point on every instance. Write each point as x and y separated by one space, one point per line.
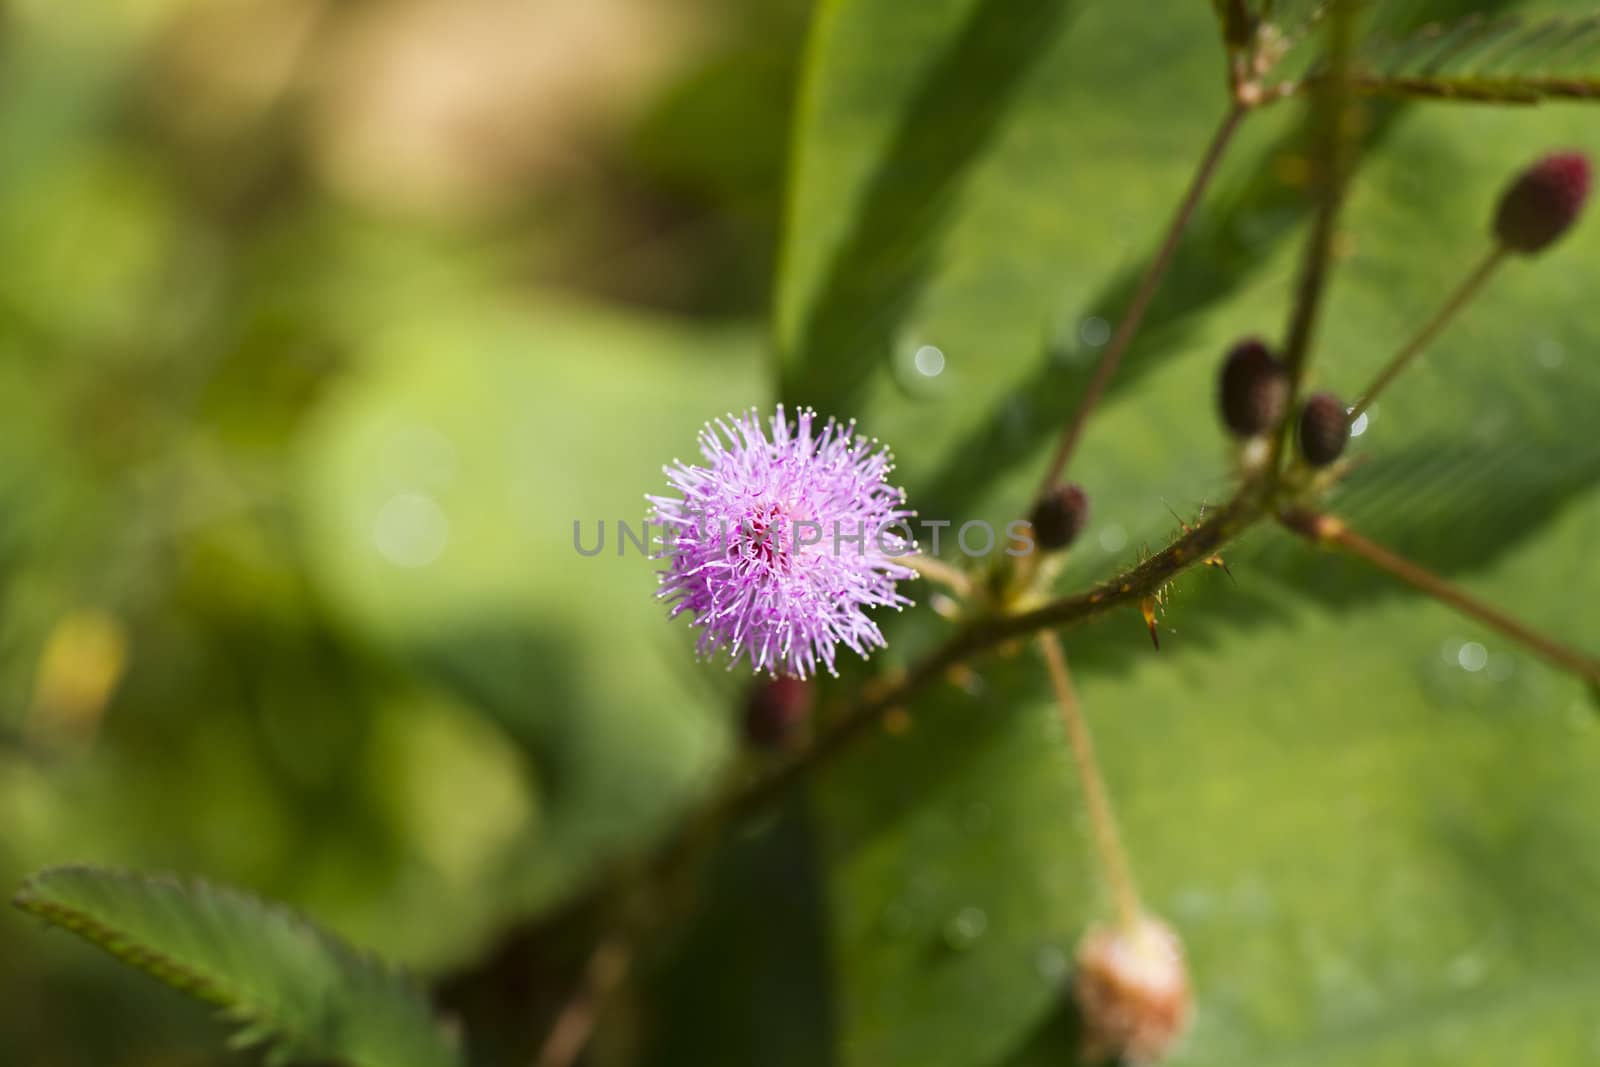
1253 390
1543 202
1132 992
1324 429
776 712
1059 516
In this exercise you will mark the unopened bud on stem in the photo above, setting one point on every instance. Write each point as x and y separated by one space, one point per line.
1253 390
1324 429
1543 202
1059 517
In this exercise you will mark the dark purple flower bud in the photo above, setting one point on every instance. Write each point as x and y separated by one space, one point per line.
1543 202
1324 429
1059 517
776 712
1253 390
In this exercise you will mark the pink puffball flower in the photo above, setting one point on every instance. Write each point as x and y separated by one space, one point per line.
779 544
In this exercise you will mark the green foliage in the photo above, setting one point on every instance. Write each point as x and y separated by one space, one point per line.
289 986
509 617
1507 61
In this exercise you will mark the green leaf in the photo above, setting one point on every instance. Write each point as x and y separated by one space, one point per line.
1506 61
287 984
1375 853
880 264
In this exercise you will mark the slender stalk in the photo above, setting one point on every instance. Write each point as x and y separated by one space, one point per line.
1325 529
607 966
1146 290
1463 294
1097 798
1330 123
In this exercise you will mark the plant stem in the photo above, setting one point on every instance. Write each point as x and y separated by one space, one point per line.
1329 124
1146 290
607 966
1128 588
1463 294
1325 529
1097 798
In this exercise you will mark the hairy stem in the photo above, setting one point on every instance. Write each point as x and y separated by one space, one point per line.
1146 290
1325 529
1463 294
1097 798
1195 546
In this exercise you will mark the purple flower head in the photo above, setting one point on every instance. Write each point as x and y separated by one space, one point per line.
779 545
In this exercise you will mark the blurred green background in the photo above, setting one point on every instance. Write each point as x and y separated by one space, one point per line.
320 324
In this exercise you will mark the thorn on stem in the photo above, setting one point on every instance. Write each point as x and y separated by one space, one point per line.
1147 608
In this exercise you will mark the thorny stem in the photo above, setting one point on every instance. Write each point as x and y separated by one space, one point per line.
1463 294
1146 290
1325 529
1195 546
1096 797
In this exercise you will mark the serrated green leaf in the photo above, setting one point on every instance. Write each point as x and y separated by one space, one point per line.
1510 61
288 984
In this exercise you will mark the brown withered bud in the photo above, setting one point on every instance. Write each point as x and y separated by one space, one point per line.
1059 517
1324 429
1132 992
1543 202
776 711
1253 389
